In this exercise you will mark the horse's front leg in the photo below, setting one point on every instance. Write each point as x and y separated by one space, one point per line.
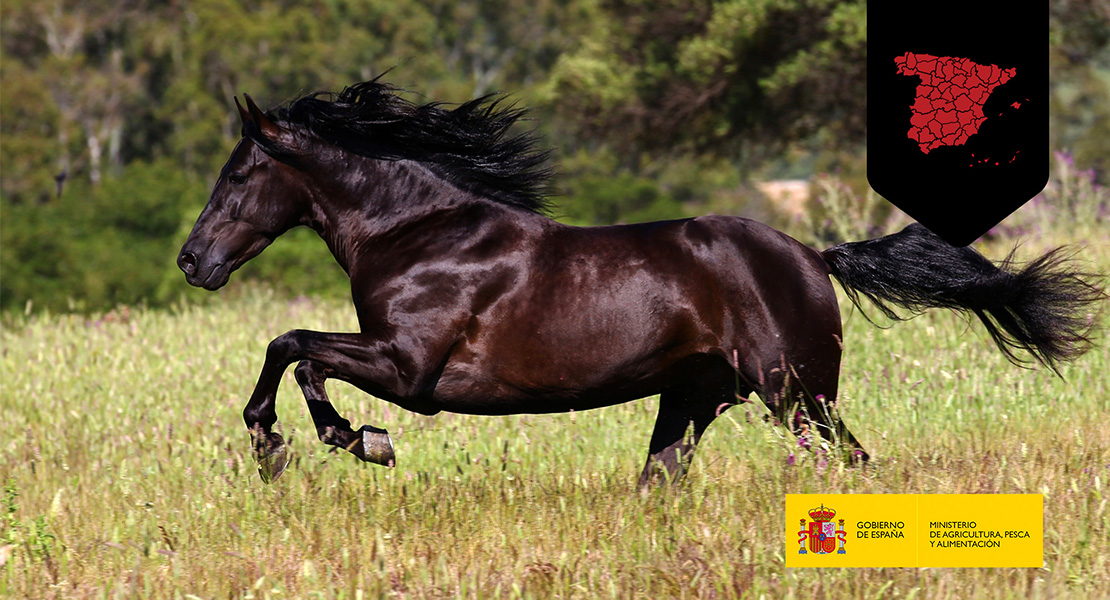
357 358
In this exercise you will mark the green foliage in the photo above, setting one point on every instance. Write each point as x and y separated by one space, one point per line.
1079 55
624 198
736 76
29 147
96 247
32 536
597 188
596 191
10 507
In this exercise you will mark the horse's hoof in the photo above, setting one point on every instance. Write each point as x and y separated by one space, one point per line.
271 466
374 445
271 455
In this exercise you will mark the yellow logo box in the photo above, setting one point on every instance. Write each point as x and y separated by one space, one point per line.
914 530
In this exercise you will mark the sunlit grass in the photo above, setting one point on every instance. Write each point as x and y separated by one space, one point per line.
127 473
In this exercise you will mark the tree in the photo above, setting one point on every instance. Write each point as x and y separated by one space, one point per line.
1079 56
726 77
503 42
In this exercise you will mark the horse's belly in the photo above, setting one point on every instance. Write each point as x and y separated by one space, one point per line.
549 383
499 400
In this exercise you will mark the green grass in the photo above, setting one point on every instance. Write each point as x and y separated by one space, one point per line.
127 473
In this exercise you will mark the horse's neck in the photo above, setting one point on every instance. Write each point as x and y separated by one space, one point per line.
388 201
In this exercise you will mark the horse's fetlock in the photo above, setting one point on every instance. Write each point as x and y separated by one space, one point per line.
326 434
257 419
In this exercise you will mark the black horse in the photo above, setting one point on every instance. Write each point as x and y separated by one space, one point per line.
471 300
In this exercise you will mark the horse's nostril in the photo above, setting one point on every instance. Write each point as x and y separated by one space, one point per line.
187 262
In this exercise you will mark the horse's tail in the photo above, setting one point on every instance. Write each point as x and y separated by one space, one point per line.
1044 307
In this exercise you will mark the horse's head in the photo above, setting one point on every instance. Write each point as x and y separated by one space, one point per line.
256 199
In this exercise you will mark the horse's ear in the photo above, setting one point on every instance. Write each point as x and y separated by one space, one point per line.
273 138
244 115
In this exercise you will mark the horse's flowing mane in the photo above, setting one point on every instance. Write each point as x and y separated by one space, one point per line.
468 145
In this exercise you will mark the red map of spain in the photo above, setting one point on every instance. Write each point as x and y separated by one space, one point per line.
948 107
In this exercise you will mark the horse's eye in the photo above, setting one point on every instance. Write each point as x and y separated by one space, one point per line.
237 179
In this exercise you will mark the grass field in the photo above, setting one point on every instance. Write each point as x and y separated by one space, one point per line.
126 473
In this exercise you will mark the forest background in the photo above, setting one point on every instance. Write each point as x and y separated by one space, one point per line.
115 117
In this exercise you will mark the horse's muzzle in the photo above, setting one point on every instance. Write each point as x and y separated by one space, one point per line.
187 262
209 277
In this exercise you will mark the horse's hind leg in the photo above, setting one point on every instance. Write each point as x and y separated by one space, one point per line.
803 396
678 427
368 443
821 412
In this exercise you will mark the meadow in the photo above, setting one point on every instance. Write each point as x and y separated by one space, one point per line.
126 471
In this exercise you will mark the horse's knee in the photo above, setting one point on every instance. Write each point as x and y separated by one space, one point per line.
308 372
285 346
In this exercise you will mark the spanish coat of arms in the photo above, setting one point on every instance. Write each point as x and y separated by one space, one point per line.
822 534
